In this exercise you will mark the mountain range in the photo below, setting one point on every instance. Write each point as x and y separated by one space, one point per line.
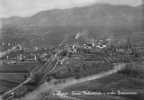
94 18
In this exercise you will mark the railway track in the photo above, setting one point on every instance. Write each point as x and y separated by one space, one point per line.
42 73
44 70
52 87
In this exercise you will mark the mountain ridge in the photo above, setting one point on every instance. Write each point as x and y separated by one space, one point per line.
91 15
47 26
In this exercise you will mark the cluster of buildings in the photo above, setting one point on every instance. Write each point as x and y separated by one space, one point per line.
21 54
18 54
90 43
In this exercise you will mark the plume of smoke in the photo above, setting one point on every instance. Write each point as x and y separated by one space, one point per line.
84 34
77 35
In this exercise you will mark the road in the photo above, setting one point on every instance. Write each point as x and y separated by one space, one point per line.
50 86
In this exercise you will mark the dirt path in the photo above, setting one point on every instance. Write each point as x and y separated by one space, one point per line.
69 82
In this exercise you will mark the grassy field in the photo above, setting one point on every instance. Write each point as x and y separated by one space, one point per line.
22 67
131 79
13 74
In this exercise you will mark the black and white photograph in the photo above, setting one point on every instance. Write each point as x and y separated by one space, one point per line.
71 50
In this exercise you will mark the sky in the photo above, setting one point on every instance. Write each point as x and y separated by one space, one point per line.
26 8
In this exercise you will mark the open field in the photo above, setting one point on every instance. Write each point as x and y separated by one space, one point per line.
22 67
15 77
13 74
131 80
10 80
50 86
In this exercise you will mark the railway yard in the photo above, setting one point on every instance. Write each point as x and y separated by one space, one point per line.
23 71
